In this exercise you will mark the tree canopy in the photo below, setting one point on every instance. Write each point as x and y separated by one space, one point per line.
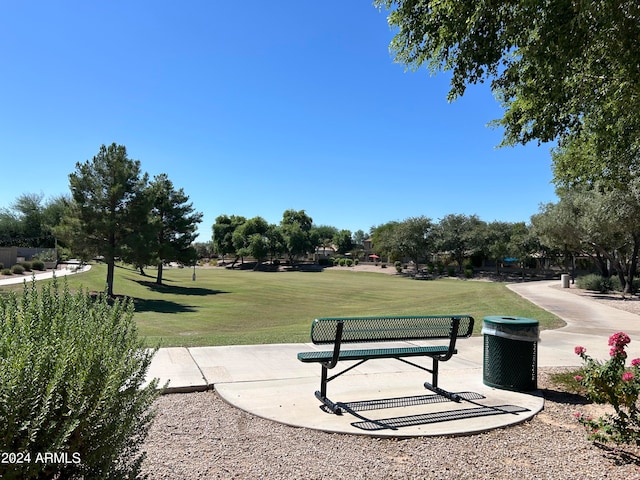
105 191
558 68
174 220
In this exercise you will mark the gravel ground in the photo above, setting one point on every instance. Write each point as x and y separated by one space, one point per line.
198 435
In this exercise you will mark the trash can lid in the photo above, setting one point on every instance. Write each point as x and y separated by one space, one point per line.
514 322
514 328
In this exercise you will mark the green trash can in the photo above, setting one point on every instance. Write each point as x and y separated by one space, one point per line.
510 353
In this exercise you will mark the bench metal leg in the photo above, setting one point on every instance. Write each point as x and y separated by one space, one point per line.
334 407
325 378
434 386
322 393
454 397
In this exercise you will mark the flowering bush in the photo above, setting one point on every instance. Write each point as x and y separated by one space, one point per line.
612 383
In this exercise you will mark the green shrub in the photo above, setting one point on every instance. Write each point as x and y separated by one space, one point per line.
1 265
27 266
46 255
349 262
72 369
616 286
6 271
17 269
342 262
468 272
614 383
356 261
594 282
451 272
37 265
398 266
324 262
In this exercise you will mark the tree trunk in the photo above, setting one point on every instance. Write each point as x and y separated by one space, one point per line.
110 271
159 276
628 289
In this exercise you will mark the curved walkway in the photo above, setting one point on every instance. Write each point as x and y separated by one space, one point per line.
62 272
589 323
269 381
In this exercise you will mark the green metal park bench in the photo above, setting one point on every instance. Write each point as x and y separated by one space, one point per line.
338 331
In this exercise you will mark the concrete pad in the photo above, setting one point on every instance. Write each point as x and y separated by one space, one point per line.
176 366
292 402
243 363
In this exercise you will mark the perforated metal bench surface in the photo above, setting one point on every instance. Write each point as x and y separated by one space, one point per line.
388 329
369 354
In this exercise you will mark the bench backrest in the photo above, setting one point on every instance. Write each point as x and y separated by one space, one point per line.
395 328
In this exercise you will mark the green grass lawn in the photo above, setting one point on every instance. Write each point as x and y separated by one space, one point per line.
224 307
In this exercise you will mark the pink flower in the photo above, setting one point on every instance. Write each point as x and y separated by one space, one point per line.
580 350
627 376
635 362
619 339
618 351
578 378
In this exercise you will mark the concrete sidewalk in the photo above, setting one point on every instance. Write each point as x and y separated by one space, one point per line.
62 272
269 381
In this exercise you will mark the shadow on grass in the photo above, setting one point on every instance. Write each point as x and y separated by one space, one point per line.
161 306
198 291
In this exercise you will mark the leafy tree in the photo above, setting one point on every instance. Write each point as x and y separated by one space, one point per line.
29 208
175 224
54 212
385 241
140 248
559 229
11 229
223 233
106 191
249 239
523 243
557 67
359 237
204 249
324 234
604 223
459 235
275 241
415 238
497 241
29 222
296 232
343 242
412 238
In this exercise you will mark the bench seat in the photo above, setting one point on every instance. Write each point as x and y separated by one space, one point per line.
370 354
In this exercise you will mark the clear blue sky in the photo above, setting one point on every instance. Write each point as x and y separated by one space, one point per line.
253 108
